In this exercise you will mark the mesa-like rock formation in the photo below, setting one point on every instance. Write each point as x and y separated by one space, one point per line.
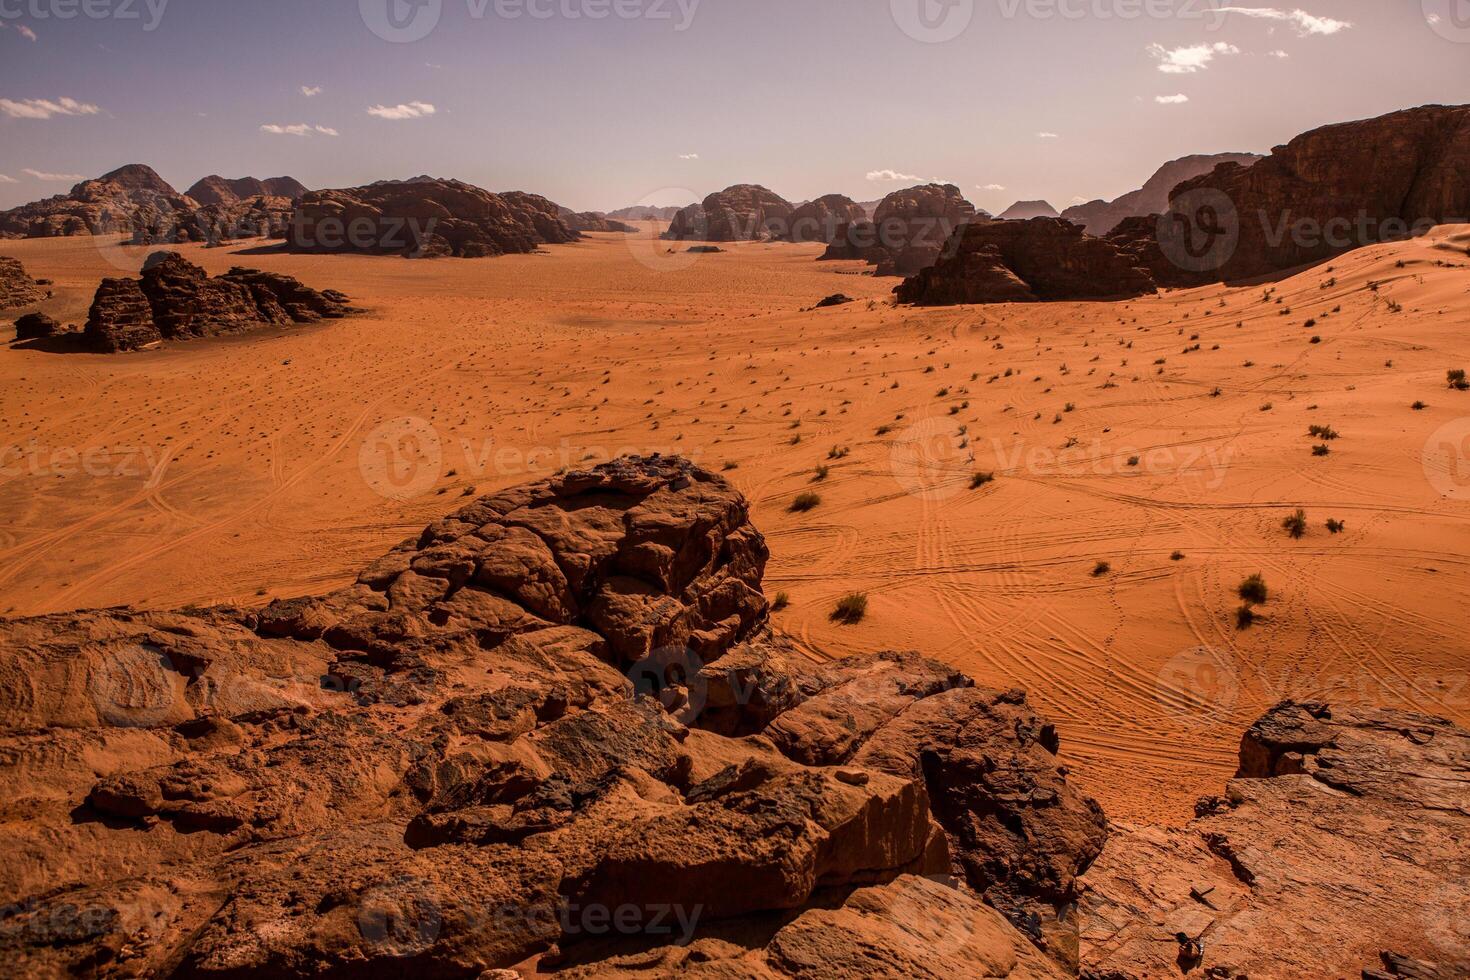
1101 217
17 288
215 189
425 217
646 212
1327 191
743 212
177 300
37 326
121 202
908 231
584 221
1026 210
1338 850
551 711
819 220
1026 261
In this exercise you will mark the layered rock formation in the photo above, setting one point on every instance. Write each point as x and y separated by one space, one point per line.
17 288
819 220
177 300
1026 261
645 212
744 212
550 716
215 189
1026 210
425 217
1327 191
123 201
1338 850
908 231
1101 217
583 221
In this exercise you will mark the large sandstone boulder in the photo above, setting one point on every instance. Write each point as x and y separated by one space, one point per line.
1101 217
16 287
1026 261
37 326
744 212
819 220
177 300
1338 849
908 231
1327 191
121 202
423 218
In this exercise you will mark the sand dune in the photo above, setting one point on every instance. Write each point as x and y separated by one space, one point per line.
275 464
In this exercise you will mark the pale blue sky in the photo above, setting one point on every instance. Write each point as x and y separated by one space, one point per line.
805 96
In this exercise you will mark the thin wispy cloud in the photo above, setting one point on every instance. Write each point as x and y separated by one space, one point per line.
1191 58
311 90
7 179
406 110
688 156
25 32
990 187
1306 24
1278 53
298 129
45 108
891 175
1171 99
1047 136
43 175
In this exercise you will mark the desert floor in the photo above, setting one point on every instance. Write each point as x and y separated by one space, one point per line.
275 464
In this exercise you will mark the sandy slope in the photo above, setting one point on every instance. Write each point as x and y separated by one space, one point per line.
248 468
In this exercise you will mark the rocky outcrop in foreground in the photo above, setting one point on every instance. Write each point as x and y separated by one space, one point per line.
1026 261
744 212
177 300
38 326
550 725
426 217
1338 850
17 288
121 202
1101 217
908 231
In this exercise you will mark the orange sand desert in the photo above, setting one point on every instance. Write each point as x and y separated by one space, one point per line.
273 464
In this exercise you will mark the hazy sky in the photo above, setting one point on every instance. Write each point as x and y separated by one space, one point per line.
605 103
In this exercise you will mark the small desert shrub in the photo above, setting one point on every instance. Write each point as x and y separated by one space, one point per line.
1253 589
1244 617
729 465
1296 524
1177 556
1326 432
781 601
820 474
1316 339
1335 526
1132 460
979 480
883 430
1100 569
1320 449
805 502
851 608
1418 406
1457 380
838 452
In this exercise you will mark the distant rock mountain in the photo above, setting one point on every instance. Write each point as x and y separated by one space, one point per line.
740 213
215 189
644 212
1101 217
908 230
425 217
1026 210
818 221
123 201
581 221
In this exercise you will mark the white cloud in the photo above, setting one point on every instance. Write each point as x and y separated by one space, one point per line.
990 187
45 108
886 175
1304 22
42 175
1079 200
310 90
1190 59
1171 99
7 179
411 110
1047 136
1434 19
298 129
688 156
25 32
1278 53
